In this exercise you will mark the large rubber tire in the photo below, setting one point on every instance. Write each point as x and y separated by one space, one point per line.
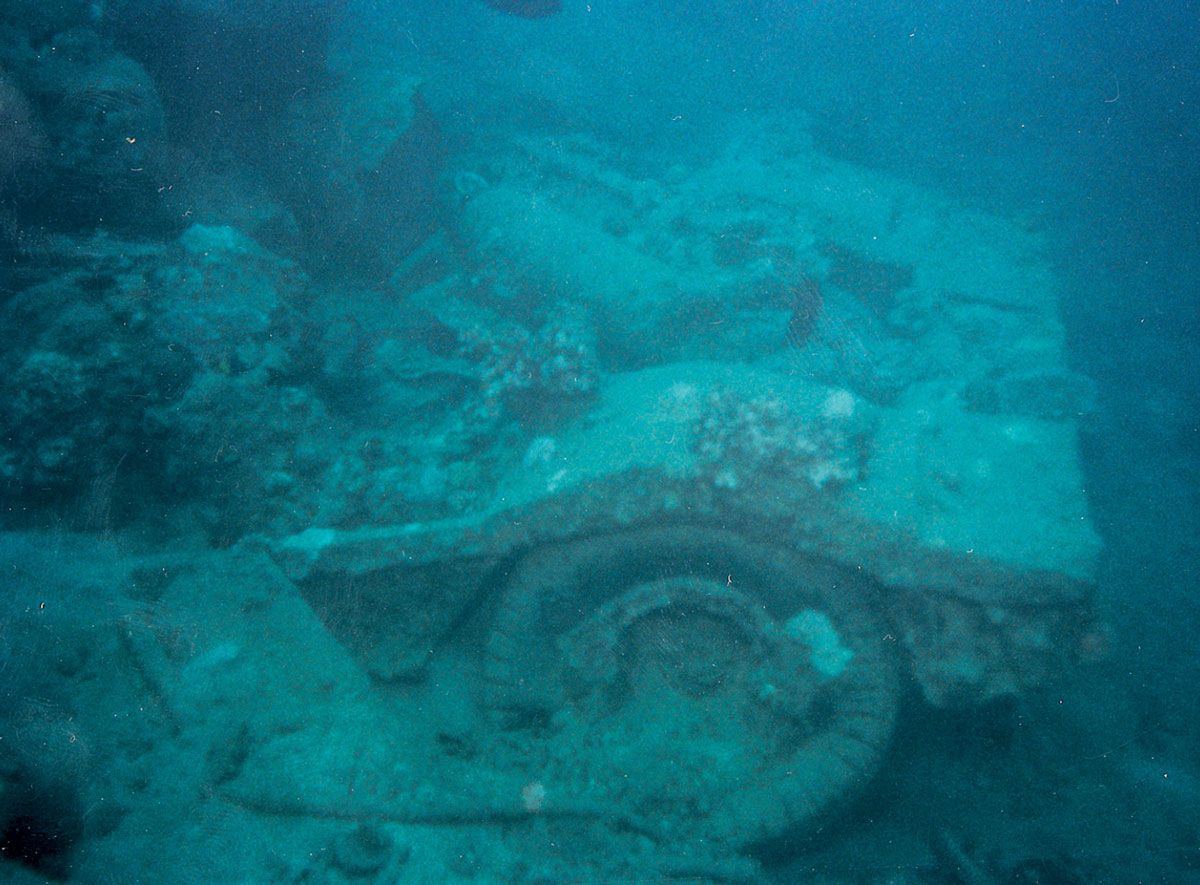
780 678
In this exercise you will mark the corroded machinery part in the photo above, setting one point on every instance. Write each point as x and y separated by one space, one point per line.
712 687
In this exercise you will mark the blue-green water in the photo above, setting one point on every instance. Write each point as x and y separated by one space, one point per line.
639 441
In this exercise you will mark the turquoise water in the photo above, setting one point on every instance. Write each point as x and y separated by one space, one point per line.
625 442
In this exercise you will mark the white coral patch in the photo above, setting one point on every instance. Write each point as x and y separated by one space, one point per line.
828 656
839 405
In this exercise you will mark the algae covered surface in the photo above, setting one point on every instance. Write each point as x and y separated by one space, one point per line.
531 443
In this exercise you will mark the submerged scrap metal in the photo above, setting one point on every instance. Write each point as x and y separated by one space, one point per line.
764 685
699 599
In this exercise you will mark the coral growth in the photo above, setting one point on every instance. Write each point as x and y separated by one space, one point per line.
738 437
81 366
558 361
224 300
